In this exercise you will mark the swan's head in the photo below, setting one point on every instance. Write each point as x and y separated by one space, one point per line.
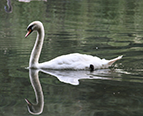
35 25
34 108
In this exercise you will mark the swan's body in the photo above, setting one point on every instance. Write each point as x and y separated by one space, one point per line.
74 61
77 61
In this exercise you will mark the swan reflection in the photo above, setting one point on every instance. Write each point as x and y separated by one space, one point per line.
73 77
37 108
66 76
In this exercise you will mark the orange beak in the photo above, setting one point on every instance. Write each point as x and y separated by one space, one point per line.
28 32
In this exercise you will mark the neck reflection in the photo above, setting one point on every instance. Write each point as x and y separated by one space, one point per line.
36 108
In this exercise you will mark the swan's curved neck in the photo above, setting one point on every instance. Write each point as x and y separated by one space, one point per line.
35 54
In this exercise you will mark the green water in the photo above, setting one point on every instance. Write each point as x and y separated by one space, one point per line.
105 28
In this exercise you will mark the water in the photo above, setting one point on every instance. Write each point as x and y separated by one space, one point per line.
106 28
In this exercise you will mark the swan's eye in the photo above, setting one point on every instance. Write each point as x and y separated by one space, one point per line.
30 27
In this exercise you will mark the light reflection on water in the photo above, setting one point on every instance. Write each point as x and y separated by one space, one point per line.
103 28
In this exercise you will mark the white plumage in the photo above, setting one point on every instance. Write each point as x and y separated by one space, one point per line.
77 61
74 61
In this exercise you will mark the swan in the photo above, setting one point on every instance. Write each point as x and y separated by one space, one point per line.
73 61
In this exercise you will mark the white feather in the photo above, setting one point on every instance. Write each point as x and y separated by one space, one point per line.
77 61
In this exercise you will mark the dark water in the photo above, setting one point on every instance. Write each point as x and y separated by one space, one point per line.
105 28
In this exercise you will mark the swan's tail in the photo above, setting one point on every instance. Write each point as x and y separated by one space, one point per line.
114 60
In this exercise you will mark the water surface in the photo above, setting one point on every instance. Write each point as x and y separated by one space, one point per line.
104 28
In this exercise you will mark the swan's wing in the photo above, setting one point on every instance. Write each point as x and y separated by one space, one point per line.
78 61
74 61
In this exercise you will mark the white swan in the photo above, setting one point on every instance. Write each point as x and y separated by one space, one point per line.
74 61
